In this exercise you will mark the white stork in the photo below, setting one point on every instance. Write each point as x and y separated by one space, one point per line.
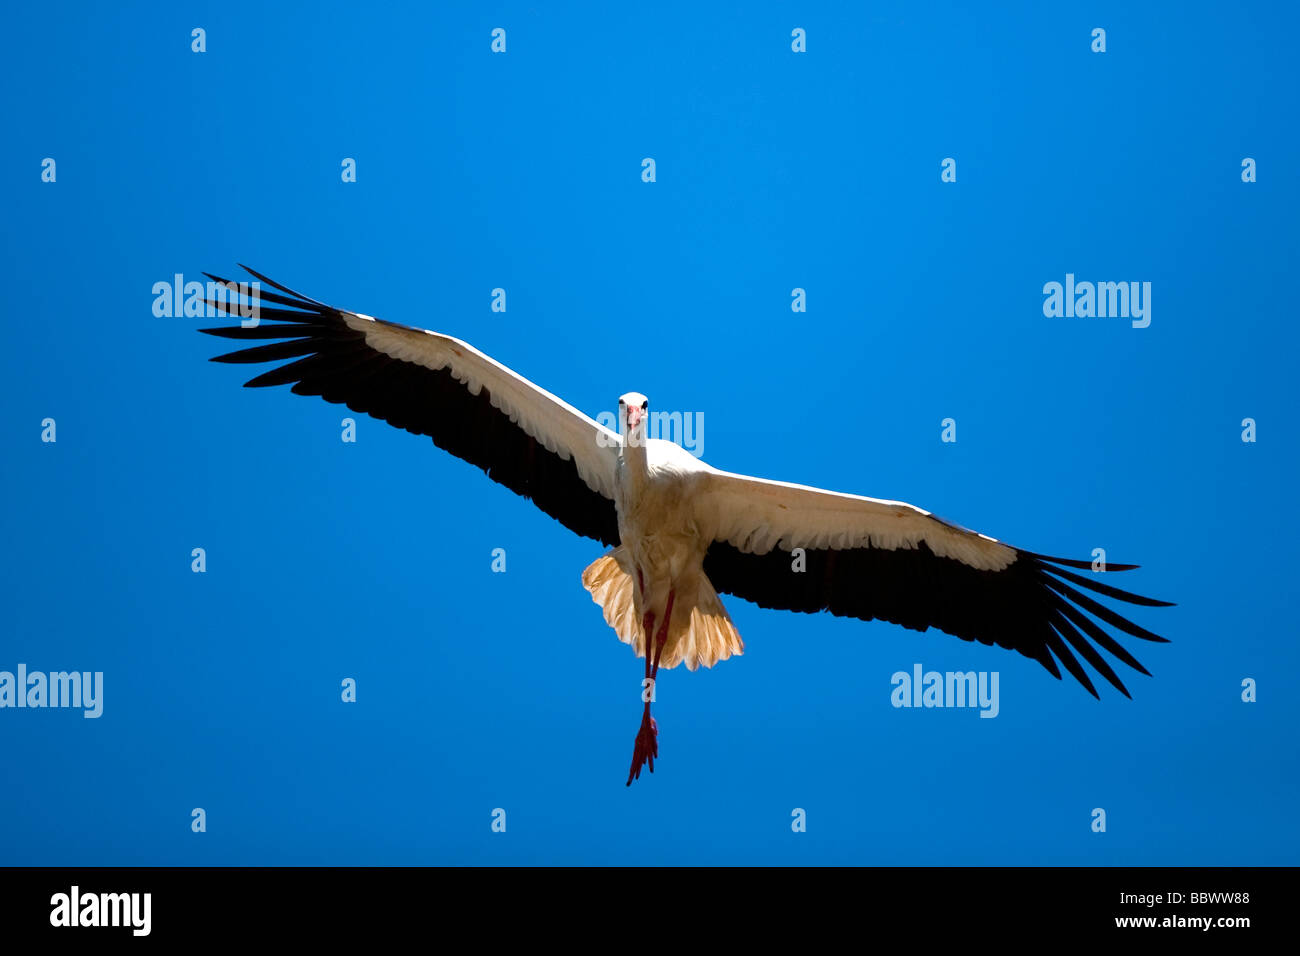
679 530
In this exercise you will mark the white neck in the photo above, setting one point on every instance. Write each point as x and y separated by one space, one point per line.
634 454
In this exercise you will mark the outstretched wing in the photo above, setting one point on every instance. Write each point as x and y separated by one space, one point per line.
521 435
868 558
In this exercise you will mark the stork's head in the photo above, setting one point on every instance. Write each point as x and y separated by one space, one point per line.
632 411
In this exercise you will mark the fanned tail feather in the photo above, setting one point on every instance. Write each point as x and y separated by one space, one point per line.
700 633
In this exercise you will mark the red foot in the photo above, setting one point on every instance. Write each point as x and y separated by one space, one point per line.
646 749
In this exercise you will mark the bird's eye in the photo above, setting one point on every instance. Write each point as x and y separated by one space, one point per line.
645 404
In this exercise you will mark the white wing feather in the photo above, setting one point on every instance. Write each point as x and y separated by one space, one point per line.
555 424
756 515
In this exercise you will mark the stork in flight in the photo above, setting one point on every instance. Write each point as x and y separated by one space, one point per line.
680 531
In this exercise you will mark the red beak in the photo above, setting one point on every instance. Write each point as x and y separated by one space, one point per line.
634 415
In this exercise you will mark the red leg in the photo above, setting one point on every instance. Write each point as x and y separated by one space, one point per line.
663 635
647 739
647 628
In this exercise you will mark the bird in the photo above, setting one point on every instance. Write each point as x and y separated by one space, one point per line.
680 532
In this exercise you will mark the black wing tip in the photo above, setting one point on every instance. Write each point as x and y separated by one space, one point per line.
1056 580
283 288
1086 684
261 277
1076 563
1113 679
1100 587
254 273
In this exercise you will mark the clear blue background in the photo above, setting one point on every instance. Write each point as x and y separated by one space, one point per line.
775 170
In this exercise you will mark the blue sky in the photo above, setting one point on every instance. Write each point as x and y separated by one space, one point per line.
775 170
